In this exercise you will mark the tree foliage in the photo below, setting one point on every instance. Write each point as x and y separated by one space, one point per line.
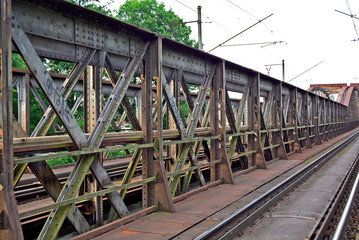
151 15
95 6
17 61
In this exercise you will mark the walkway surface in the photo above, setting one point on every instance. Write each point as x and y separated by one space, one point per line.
198 213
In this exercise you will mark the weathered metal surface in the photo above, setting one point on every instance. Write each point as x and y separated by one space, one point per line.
298 215
47 85
9 217
205 209
163 135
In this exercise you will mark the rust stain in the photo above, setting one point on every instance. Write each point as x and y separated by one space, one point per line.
128 232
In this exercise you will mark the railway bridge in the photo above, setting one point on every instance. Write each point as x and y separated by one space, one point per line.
163 141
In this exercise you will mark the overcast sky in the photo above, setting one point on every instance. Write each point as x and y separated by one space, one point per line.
312 31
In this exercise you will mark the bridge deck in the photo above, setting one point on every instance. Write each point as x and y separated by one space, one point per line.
196 214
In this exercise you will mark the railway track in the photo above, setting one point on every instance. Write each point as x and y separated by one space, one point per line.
275 214
30 191
30 188
348 224
117 170
341 220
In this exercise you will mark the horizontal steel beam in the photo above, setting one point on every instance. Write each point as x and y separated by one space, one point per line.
61 30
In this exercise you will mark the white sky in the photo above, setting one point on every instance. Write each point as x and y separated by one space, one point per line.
312 31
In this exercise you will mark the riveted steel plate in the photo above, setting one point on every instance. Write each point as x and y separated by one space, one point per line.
89 35
237 77
181 60
42 22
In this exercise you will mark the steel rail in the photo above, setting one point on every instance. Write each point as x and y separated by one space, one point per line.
269 197
321 231
339 231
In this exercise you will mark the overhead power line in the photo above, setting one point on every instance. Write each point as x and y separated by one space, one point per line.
204 16
305 71
246 12
351 15
259 43
346 14
219 45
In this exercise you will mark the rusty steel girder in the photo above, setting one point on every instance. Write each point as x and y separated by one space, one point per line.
190 121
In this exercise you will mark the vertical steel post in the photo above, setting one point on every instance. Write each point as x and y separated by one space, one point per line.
98 74
331 117
93 106
153 193
225 171
294 120
199 27
162 196
147 98
278 122
214 125
10 227
252 139
324 119
315 117
171 121
255 113
23 89
138 107
308 141
283 73
335 119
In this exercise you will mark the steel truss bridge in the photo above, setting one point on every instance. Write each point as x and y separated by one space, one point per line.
238 119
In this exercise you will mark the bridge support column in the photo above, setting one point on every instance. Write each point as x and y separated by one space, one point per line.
322 119
335 119
154 193
308 141
10 227
328 119
254 141
218 126
92 110
23 89
293 121
278 122
332 119
315 120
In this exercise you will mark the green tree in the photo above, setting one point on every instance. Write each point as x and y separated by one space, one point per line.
17 61
151 15
95 5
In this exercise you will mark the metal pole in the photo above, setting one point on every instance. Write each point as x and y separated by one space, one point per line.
199 27
283 70
10 227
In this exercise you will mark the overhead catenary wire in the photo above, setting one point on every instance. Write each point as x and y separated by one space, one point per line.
219 45
351 15
305 71
247 44
204 16
247 12
346 14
